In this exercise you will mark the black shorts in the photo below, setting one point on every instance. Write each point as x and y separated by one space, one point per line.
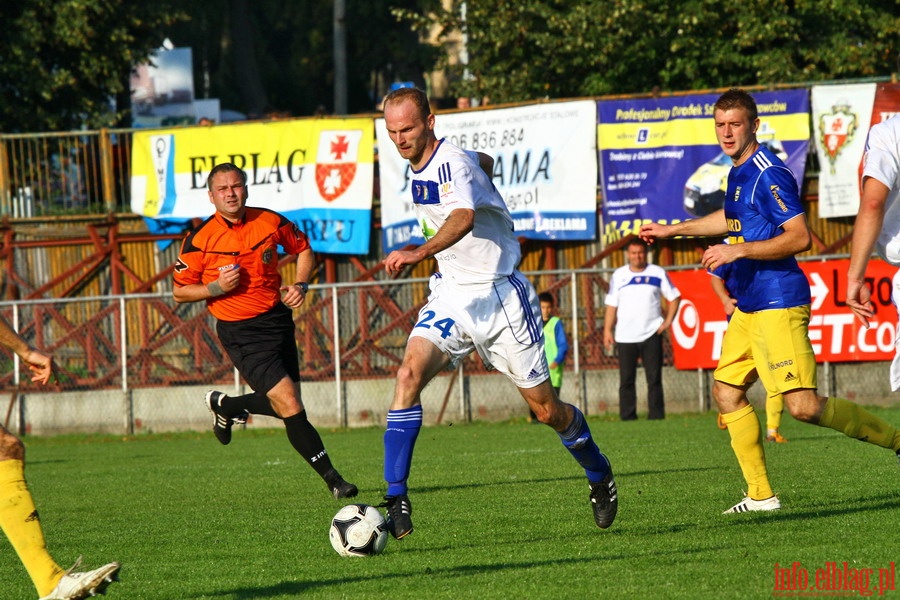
264 348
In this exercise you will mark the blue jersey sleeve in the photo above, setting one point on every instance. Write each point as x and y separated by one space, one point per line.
777 195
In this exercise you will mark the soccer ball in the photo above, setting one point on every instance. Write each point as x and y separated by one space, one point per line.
358 530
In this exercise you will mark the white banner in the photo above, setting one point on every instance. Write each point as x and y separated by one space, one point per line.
545 166
841 116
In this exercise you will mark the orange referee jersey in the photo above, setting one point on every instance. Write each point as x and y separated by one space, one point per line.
217 244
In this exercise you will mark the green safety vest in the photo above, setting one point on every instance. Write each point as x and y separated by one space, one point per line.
550 350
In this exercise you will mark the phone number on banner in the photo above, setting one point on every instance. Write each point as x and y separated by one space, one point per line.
488 140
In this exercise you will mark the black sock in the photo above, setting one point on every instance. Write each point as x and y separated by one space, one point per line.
255 403
306 441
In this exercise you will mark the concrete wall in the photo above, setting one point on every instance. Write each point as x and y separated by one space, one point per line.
365 402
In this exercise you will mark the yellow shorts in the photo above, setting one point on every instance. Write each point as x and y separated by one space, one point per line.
772 345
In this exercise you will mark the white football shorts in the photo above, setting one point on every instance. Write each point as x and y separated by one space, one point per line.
502 322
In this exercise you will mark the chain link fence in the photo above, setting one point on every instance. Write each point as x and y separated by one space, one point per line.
142 363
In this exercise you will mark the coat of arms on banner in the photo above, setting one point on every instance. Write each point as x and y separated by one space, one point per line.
837 128
336 161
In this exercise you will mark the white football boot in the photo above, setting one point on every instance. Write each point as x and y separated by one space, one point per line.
76 586
748 504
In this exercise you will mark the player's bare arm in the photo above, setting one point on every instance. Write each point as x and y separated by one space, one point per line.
869 221
795 239
227 281
609 323
40 364
711 225
671 312
728 303
293 295
455 228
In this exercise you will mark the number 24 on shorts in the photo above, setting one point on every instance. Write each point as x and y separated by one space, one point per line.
442 325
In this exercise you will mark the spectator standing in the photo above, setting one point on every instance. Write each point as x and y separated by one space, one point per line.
635 321
556 344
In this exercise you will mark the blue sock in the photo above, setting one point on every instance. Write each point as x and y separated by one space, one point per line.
399 440
578 441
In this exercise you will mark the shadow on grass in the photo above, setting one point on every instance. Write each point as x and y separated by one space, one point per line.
293 589
620 475
798 512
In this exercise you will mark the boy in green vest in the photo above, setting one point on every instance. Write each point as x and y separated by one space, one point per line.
556 346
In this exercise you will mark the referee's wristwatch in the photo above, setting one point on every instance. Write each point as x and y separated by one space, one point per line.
303 286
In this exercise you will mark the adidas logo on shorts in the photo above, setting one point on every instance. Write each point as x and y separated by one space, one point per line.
790 377
533 374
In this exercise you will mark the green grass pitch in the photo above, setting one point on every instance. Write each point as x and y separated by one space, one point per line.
500 511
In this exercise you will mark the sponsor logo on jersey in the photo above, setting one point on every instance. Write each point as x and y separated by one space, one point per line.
778 365
425 192
445 189
774 189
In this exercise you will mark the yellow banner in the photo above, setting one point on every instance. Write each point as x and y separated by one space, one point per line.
291 165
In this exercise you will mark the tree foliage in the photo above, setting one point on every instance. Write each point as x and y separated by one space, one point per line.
527 49
64 60
270 56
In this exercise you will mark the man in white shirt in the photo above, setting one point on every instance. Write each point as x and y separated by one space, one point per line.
634 309
877 223
479 301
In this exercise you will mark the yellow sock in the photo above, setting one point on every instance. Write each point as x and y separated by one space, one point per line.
22 526
854 421
774 408
746 441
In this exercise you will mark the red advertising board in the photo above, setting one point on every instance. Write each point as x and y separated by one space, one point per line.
835 333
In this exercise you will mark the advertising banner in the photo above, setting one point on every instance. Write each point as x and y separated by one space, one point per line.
660 162
162 90
545 167
318 172
840 116
887 102
836 334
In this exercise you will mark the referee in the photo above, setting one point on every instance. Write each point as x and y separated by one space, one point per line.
231 261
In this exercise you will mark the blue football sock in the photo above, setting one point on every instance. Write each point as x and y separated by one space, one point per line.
578 441
399 440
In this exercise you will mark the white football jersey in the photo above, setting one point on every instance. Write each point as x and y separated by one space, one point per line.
882 162
453 179
636 297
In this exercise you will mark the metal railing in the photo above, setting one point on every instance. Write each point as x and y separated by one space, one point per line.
82 172
351 339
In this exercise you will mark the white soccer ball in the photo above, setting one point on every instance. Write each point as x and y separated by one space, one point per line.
358 530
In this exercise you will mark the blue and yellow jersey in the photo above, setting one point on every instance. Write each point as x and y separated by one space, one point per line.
762 195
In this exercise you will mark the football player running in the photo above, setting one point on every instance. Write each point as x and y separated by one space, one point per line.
478 302
768 335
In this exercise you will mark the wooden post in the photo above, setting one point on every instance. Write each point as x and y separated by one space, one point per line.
106 172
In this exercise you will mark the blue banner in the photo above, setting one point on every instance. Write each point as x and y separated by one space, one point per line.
660 161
